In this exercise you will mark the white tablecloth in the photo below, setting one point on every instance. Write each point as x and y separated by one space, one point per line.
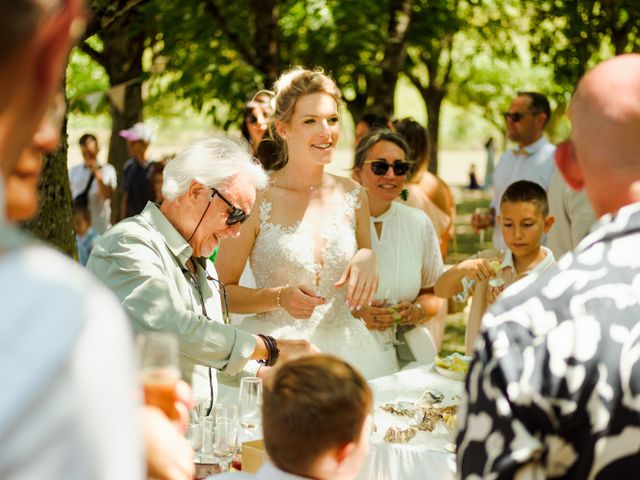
425 456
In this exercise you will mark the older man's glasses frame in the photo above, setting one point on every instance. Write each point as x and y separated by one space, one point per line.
236 215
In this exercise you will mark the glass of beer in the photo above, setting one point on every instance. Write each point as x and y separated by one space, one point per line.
160 370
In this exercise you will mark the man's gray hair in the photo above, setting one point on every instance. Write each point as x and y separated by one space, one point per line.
211 162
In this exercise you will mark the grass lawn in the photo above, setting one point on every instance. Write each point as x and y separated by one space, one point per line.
465 244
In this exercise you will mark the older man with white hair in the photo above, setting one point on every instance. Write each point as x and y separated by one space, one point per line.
157 262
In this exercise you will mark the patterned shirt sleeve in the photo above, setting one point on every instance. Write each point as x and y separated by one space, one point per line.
522 397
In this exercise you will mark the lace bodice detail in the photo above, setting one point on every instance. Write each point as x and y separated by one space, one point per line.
284 255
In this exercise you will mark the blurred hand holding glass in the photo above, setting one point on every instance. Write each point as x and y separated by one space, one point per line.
160 370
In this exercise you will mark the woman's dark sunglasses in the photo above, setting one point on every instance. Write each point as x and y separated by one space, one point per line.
380 168
236 215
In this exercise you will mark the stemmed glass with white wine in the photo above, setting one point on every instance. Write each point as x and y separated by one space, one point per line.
250 403
225 434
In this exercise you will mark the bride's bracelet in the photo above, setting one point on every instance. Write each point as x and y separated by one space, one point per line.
278 293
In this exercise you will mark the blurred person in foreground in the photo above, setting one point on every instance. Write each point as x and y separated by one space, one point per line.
66 357
553 390
157 263
532 160
316 421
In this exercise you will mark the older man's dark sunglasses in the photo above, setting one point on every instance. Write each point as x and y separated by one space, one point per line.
380 168
236 215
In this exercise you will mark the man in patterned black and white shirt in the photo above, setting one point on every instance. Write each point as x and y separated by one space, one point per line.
554 389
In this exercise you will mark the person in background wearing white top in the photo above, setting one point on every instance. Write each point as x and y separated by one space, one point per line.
571 209
67 368
533 160
101 188
406 244
524 219
316 422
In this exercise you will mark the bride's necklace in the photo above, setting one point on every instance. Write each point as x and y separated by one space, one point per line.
304 188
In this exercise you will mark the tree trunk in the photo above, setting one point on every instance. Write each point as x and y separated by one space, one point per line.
433 98
53 222
266 14
383 89
122 55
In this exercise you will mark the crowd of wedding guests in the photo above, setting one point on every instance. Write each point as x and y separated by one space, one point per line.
349 266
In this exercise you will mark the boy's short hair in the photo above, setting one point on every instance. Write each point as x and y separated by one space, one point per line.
313 404
526 191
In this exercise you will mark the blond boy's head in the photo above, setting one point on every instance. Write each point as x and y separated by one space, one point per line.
524 217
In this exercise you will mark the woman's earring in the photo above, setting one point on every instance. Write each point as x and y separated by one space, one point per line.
404 194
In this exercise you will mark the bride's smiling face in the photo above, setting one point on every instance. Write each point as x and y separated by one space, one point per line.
314 128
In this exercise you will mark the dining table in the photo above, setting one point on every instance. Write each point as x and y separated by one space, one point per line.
428 455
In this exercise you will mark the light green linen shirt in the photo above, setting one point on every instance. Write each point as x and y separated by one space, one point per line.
143 260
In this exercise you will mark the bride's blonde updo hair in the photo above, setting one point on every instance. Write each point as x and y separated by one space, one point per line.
291 85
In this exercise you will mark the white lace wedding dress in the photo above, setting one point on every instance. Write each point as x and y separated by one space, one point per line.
283 255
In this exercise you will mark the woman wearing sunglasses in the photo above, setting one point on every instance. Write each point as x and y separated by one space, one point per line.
308 242
406 245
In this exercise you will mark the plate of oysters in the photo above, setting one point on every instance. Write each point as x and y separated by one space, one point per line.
424 415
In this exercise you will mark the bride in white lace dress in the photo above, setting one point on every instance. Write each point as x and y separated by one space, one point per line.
308 238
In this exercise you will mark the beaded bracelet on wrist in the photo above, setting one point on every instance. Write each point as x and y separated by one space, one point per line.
273 352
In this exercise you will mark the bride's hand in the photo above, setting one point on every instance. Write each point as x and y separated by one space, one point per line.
362 274
300 301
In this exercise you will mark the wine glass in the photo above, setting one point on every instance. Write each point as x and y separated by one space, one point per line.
225 441
484 222
498 280
159 370
194 437
225 411
391 300
206 447
250 403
